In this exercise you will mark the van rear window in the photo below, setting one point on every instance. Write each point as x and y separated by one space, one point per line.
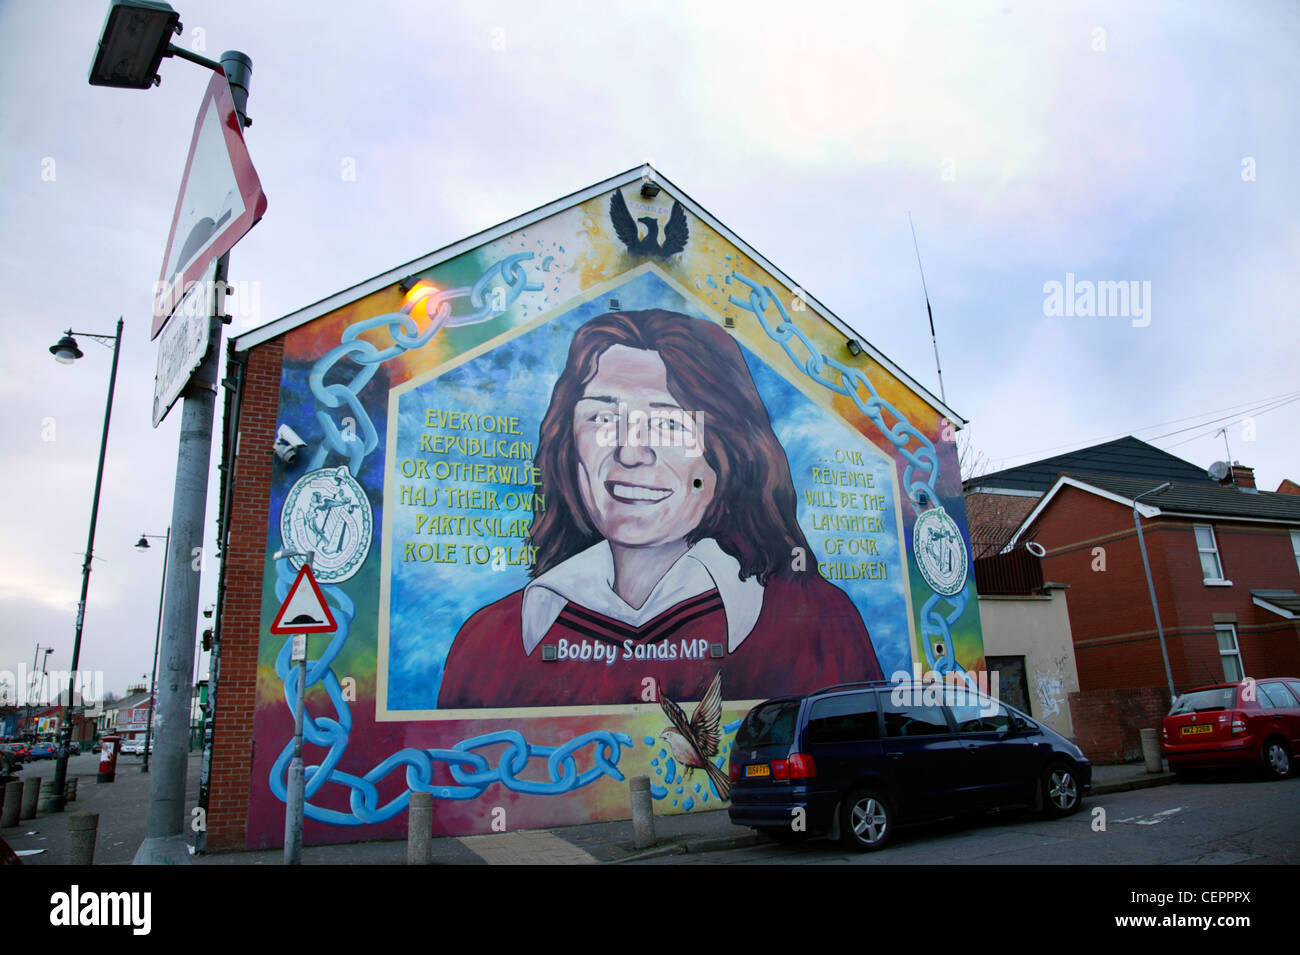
844 719
769 724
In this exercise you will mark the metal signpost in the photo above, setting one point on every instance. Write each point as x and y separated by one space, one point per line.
220 199
303 612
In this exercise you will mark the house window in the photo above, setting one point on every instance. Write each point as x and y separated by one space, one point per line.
1211 569
1229 652
1295 547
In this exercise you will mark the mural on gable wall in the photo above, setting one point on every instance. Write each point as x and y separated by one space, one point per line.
571 486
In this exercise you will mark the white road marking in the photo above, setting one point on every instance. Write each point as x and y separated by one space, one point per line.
1152 820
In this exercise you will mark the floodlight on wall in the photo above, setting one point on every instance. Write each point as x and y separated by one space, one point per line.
134 41
649 189
854 348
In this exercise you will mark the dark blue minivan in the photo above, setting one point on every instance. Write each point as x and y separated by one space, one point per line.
856 760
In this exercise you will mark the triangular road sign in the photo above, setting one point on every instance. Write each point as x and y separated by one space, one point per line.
220 199
304 610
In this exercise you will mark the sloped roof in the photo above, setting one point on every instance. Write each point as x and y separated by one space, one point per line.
1207 500
280 326
1126 457
130 702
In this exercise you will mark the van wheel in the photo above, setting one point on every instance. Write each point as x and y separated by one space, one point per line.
866 820
1276 760
1060 790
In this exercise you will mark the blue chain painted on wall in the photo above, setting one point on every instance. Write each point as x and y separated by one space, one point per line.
912 445
488 302
472 771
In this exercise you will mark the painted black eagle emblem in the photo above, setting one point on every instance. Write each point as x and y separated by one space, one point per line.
675 234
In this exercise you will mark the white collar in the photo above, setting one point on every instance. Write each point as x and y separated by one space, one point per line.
587 579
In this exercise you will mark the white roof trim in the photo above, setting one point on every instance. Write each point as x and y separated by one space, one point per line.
1146 510
1274 608
1008 491
1230 518
288 322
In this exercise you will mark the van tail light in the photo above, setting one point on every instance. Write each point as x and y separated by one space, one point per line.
733 771
802 766
798 766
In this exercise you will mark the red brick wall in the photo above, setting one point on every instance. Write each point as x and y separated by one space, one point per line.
1111 619
245 557
1108 723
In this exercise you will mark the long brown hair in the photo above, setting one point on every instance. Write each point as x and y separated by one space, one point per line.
752 515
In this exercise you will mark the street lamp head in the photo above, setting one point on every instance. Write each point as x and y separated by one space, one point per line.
142 544
133 43
1154 490
65 350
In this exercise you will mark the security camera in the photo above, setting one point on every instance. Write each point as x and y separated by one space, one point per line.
288 444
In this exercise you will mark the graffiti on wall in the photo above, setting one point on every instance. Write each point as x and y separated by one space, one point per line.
580 473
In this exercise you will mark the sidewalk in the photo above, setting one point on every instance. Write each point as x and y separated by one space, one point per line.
121 808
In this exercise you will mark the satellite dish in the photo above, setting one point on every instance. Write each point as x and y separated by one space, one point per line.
1219 470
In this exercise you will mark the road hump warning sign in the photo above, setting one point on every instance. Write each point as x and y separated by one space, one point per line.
304 610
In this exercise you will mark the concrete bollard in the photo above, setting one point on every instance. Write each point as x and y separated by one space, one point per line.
643 813
12 804
31 792
82 827
1151 750
70 790
419 830
47 801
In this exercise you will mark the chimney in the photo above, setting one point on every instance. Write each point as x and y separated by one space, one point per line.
1243 476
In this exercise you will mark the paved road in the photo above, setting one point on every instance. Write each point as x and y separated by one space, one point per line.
121 805
1220 822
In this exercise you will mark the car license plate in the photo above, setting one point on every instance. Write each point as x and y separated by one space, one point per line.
1194 730
758 769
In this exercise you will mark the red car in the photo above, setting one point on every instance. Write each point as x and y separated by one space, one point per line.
1251 723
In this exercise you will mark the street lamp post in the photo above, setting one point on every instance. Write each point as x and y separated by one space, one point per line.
133 43
35 689
143 544
1151 587
66 351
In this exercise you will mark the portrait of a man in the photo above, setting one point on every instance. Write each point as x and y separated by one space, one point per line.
667 547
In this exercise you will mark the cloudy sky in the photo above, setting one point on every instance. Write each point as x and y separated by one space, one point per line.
1029 141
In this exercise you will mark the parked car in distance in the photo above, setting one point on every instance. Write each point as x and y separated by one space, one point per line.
1250 724
134 747
857 760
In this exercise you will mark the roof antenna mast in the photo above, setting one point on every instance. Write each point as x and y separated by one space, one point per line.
1224 431
933 338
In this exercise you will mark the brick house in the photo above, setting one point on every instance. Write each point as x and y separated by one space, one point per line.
1225 561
